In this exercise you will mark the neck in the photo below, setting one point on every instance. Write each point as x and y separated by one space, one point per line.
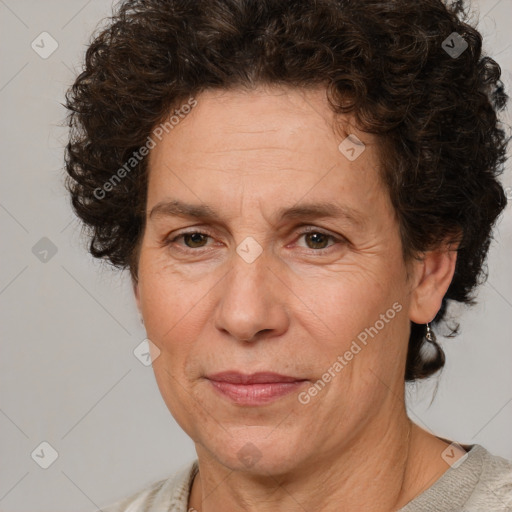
386 467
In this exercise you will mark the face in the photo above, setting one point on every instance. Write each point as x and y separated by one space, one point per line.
259 287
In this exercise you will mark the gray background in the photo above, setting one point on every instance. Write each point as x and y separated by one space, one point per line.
69 325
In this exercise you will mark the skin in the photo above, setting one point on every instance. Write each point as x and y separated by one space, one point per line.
293 310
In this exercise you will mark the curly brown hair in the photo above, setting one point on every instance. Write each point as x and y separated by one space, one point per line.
384 61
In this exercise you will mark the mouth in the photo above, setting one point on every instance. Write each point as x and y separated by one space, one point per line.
254 389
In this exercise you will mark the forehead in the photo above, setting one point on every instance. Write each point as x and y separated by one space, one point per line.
267 144
282 118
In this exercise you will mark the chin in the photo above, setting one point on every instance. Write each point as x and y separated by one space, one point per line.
256 450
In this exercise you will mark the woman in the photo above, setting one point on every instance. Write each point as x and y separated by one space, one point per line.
299 189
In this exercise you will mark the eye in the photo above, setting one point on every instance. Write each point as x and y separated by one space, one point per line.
315 240
192 239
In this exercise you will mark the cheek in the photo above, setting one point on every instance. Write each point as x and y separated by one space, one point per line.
350 298
176 312
170 307
362 318
169 300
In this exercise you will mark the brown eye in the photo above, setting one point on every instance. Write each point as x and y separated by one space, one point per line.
196 239
318 240
192 240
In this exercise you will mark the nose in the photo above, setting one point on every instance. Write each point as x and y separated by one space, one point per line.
257 336
252 303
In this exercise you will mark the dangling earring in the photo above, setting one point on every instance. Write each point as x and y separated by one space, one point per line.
429 335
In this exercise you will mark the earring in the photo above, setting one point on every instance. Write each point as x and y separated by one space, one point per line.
429 335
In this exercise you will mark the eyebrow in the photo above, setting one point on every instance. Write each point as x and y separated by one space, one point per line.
323 210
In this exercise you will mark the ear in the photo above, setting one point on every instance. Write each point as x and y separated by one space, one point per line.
433 275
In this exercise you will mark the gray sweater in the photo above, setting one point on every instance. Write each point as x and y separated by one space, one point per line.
481 483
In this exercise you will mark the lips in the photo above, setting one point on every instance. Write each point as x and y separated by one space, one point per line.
254 378
255 389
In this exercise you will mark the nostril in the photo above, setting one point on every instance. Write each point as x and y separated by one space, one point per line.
258 334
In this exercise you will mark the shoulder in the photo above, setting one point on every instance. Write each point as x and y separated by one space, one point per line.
481 482
494 486
161 495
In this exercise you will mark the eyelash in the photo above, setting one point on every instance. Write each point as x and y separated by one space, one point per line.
167 242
